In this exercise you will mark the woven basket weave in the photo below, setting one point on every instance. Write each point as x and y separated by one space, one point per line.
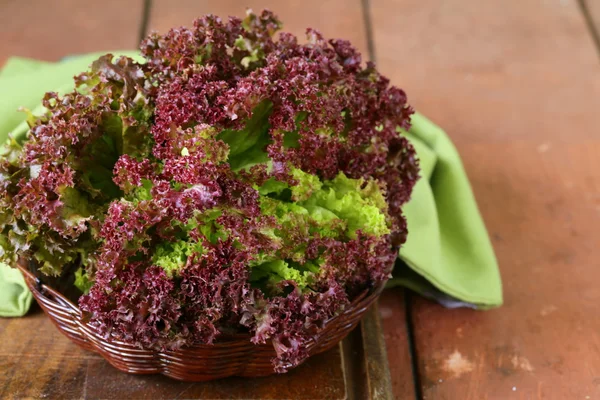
229 356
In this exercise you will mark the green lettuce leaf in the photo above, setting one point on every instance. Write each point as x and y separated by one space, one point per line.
342 203
82 281
272 272
247 146
363 209
172 257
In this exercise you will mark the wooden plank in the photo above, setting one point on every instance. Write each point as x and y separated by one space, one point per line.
50 30
41 363
37 361
334 18
517 86
365 362
393 318
376 363
493 70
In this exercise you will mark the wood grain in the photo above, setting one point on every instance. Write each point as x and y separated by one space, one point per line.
542 209
393 318
334 18
50 30
491 71
376 364
38 362
517 86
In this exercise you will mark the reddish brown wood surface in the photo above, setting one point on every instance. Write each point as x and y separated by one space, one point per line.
50 30
517 86
393 318
334 18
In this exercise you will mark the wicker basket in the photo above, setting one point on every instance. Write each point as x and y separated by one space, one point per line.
228 356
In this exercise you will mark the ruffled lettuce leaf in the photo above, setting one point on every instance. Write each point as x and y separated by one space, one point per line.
172 257
355 204
363 209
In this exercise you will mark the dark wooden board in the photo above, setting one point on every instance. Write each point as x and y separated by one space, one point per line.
392 309
517 86
38 362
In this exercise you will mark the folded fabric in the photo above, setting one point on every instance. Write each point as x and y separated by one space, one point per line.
448 255
15 298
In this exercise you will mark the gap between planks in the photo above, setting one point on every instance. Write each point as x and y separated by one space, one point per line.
366 11
414 356
146 10
592 25
367 20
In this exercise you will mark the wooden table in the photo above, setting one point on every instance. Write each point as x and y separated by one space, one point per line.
515 84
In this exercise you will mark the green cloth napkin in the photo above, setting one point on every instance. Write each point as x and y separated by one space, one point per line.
15 298
448 255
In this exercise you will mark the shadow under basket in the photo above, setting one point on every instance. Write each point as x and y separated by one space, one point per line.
233 355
